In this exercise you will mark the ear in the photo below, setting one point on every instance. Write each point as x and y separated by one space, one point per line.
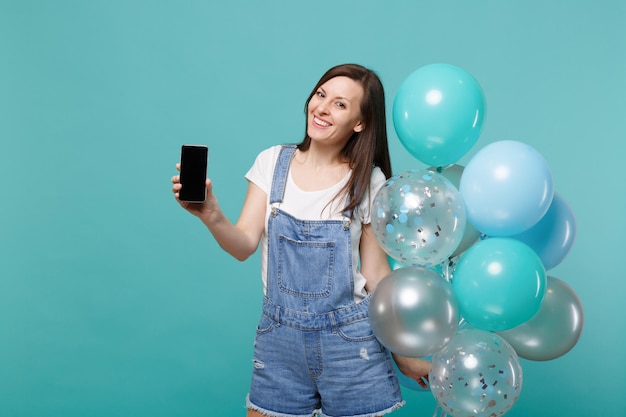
359 127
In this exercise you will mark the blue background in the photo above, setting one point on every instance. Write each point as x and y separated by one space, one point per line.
115 302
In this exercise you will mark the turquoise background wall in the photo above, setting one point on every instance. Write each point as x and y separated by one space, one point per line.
115 302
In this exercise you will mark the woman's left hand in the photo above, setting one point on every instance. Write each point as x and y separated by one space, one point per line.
414 368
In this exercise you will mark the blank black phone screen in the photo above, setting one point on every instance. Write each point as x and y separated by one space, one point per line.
193 170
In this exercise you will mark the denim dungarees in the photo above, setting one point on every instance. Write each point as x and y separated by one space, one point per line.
314 350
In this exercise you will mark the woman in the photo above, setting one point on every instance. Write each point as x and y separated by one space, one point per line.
309 207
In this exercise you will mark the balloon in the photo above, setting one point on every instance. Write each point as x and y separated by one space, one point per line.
554 330
413 312
507 188
418 217
477 374
394 264
553 236
438 113
470 235
500 283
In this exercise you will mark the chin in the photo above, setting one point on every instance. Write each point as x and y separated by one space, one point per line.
314 134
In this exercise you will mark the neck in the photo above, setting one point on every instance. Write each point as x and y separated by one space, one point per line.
318 156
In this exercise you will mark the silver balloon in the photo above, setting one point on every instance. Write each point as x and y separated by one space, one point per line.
477 374
418 217
470 236
414 312
554 330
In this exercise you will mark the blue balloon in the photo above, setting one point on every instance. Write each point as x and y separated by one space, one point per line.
554 235
507 188
438 113
499 283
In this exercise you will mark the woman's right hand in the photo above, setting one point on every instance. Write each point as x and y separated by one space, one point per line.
200 210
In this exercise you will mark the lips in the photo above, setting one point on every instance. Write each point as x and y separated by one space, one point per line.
320 122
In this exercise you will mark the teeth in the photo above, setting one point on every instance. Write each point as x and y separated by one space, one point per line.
321 122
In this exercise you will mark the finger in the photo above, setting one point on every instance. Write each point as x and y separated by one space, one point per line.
178 166
176 179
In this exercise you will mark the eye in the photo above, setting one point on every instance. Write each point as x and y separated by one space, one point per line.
320 93
341 105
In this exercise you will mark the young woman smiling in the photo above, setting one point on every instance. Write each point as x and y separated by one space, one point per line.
308 206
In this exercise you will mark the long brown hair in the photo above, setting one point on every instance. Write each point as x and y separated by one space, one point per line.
367 148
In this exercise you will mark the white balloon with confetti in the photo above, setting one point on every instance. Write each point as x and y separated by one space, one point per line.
418 217
477 374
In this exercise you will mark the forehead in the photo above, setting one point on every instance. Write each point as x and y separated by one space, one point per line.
342 86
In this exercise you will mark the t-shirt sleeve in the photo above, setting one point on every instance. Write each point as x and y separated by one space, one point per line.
377 180
262 170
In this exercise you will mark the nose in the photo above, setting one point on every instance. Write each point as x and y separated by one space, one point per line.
323 107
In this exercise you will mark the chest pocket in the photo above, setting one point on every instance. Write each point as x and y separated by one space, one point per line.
305 268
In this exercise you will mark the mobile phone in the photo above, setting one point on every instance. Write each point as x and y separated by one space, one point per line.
194 160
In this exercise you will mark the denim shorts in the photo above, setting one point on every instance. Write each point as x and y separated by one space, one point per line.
337 371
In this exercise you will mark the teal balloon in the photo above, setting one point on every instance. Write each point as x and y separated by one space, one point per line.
499 283
554 330
438 113
413 312
554 235
507 187
395 264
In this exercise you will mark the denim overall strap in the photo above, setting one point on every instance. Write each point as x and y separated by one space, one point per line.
310 266
280 173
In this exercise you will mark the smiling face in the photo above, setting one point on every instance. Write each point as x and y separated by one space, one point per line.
334 111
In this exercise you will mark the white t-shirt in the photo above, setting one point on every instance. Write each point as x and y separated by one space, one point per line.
313 205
